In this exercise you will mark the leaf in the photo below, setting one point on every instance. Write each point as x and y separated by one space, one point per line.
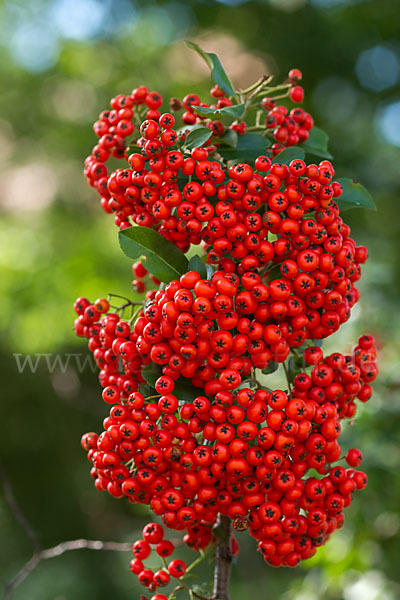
151 373
204 589
275 273
196 264
272 367
294 367
354 195
236 110
146 389
317 143
197 137
185 391
163 259
210 271
217 71
249 147
288 154
230 138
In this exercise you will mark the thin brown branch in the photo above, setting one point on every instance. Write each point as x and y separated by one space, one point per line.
53 552
56 551
16 509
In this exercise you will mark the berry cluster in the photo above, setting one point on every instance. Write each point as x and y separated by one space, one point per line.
193 431
146 192
244 454
113 343
151 578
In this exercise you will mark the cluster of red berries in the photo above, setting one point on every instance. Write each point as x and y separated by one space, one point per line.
289 127
153 542
244 454
113 343
205 437
146 192
153 535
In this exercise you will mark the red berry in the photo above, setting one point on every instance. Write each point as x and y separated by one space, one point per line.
177 568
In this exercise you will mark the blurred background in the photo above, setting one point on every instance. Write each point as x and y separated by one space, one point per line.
61 61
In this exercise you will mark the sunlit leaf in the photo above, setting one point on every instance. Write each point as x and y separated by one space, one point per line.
236 110
163 259
197 137
217 71
210 271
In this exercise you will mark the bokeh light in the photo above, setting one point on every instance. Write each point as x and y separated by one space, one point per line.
79 20
387 123
378 68
35 45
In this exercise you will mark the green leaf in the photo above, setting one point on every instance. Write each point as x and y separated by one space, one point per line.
163 259
147 390
236 110
274 273
204 589
288 154
185 391
249 147
272 367
354 195
317 143
230 138
197 137
210 271
217 71
151 373
294 367
196 264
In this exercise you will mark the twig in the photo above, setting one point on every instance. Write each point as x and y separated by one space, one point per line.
55 551
16 509
39 554
191 592
198 560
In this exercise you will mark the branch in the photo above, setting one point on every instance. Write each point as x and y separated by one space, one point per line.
223 559
55 551
16 509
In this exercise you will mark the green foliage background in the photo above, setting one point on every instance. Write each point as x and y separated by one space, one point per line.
56 244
